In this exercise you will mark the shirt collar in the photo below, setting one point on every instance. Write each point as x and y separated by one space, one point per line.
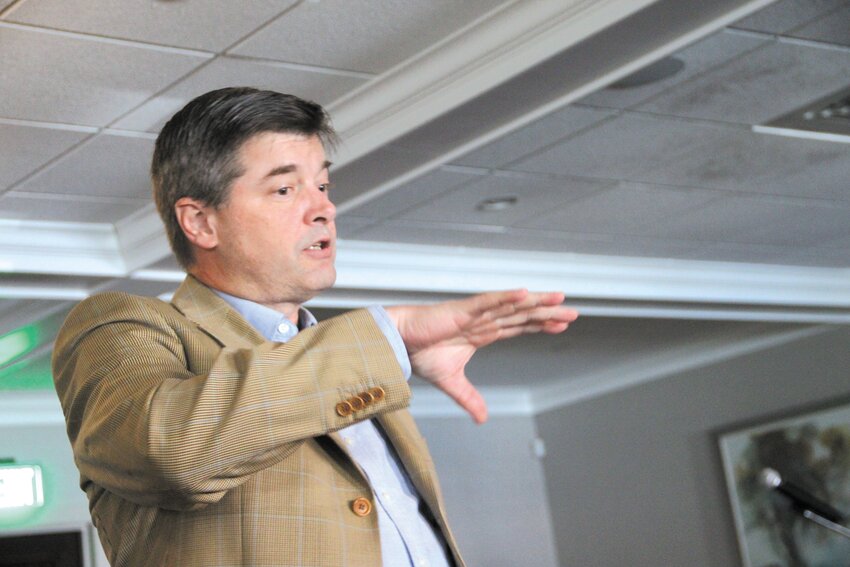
273 325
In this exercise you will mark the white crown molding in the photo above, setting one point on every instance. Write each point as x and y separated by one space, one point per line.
38 247
501 402
440 269
669 362
384 273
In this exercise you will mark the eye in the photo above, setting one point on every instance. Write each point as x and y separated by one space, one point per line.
284 190
325 187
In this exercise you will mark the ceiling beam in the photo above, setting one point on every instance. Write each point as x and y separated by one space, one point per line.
473 60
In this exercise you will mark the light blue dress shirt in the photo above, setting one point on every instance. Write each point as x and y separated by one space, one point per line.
407 537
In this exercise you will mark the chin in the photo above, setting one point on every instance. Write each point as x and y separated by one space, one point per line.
322 283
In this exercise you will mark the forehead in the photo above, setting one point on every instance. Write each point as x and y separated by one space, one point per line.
282 148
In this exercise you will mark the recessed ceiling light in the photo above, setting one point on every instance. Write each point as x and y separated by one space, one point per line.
826 119
497 204
658 71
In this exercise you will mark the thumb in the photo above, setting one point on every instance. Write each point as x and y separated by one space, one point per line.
461 390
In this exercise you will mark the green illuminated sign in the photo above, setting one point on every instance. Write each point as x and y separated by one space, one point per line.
18 343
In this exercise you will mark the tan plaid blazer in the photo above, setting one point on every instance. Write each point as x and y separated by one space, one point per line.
200 443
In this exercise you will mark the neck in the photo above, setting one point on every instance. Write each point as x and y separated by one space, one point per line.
288 308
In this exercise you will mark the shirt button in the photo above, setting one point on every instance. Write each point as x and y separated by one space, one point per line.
361 507
283 328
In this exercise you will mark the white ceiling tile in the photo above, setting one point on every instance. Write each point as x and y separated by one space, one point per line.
535 195
624 148
761 221
59 208
627 209
227 72
603 244
210 24
832 28
361 35
538 134
347 225
25 149
698 58
785 15
740 252
758 86
819 258
668 151
411 194
422 233
55 78
83 170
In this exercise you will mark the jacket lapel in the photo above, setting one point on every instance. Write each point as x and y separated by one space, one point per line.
413 453
213 315
411 448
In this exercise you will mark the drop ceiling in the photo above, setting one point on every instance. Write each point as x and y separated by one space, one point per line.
678 226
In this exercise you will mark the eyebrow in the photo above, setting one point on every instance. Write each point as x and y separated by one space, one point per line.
289 168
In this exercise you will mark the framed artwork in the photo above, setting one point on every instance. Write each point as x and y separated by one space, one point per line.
811 451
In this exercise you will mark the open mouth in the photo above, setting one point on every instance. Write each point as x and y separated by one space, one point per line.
320 245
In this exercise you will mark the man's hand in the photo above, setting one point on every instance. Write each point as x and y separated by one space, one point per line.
441 338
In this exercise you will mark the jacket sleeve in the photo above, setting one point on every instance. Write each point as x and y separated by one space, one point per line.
143 426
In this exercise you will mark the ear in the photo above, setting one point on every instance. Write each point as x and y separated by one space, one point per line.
198 222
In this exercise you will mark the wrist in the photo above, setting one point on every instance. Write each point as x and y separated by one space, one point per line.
394 314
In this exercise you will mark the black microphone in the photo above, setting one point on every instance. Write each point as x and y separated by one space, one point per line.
800 497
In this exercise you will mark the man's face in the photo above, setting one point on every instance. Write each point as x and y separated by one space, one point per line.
276 234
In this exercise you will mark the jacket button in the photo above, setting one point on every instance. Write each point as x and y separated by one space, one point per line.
377 393
361 506
357 403
344 409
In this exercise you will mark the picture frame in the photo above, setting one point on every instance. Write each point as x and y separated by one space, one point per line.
812 451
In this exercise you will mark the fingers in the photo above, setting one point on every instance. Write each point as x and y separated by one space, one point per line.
495 302
539 315
498 305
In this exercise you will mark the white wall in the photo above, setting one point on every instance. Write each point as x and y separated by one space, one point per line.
65 505
635 477
494 490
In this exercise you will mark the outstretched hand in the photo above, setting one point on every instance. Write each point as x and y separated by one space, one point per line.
441 338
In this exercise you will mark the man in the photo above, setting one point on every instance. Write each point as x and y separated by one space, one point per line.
228 428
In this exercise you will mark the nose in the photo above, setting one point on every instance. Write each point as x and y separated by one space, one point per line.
321 209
